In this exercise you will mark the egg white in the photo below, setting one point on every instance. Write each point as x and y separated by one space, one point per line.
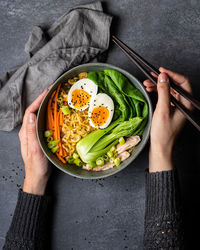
87 85
100 100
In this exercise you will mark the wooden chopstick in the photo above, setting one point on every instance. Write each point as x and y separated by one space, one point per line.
178 89
129 52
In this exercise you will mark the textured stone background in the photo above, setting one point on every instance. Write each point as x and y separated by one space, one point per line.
108 214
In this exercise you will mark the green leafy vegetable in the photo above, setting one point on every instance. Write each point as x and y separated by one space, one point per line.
124 85
131 112
129 90
98 78
92 147
118 97
86 143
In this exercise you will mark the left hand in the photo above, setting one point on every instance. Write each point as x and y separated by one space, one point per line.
37 169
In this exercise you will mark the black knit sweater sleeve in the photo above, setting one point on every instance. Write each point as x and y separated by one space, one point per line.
163 220
28 227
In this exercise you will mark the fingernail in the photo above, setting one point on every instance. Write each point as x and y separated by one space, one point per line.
31 118
163 77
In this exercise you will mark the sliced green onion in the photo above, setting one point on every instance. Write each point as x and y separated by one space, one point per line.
115 155
75 156
112 149
54 149
52 144
117 161
65 110
106 158
60 99
109 154
48 133
70 160
100 161
111 160
50 138
121 140
130 150
78 162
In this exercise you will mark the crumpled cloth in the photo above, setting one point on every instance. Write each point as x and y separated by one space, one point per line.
75 38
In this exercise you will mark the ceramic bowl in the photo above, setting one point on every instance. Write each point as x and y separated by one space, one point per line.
72 169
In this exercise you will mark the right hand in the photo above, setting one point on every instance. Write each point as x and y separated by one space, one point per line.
167 119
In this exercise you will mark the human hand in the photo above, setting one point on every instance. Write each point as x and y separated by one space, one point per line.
167 120
37 169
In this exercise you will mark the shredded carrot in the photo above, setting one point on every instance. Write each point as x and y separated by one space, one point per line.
49 113
55 114
55 121
60 129
61 118
60 157
58 133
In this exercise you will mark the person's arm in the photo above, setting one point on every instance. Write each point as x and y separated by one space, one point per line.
163 227
28 228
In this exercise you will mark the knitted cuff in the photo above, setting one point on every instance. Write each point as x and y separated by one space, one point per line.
162 193
30 213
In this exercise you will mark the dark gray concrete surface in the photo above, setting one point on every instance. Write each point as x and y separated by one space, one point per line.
108 214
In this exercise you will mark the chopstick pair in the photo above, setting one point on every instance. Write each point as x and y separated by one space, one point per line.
133 56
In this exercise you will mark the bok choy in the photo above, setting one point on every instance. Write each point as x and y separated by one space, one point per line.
130 115
98 142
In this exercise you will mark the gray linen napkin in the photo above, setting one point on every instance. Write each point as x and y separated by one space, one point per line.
75 38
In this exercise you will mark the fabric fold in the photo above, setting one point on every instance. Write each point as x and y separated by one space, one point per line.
77 37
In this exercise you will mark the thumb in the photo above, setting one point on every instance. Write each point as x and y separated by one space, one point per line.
163 88
31 128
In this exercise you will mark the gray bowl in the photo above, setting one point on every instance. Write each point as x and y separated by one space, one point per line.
72 169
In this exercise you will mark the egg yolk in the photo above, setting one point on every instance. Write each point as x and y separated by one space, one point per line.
80 98
99 116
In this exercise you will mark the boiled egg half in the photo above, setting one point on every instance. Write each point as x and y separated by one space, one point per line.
101 111
81 94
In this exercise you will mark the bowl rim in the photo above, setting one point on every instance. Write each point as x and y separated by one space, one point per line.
145 140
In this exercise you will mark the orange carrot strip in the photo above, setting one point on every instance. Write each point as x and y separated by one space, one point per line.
60 158
62 118
58 133
55 114
49 112
62 151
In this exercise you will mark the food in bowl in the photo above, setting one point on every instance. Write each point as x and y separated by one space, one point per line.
95 119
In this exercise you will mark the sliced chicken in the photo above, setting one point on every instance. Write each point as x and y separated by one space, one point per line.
106 166
130 142
123 156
